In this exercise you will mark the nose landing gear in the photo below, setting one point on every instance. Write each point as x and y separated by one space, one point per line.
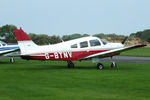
113 65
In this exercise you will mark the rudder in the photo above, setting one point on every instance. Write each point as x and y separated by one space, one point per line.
21 35
25 43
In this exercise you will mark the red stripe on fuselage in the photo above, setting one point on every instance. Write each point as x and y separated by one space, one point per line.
64 56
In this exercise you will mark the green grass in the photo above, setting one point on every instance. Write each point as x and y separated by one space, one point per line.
51 80
139 52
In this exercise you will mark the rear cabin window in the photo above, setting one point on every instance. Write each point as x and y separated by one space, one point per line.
83 44
94 43
74 46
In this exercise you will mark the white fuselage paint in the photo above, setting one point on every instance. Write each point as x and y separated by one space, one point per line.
63 49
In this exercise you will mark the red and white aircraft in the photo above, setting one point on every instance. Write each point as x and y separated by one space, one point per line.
70 51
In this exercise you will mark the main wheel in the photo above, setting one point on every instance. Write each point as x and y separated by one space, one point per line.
70 64
113 64
12 60
100 66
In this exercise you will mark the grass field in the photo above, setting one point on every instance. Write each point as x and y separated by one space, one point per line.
139 52
50 80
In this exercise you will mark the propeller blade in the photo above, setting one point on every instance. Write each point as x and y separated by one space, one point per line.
124 40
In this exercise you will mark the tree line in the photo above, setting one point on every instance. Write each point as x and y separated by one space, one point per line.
6 35
145 35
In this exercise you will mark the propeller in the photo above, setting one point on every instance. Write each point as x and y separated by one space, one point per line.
124 40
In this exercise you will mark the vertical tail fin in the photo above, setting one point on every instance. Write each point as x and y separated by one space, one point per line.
21 35
25 43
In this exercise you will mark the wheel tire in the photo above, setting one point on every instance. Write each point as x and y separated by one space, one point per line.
70 64
12 60
113 65
100 66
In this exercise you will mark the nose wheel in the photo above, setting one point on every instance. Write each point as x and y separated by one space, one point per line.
113 65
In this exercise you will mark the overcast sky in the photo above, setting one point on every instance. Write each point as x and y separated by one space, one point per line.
62 17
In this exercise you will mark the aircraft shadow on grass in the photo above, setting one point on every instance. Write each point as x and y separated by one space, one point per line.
58 67
4 62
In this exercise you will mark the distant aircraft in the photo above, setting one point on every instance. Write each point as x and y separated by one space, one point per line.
5 49
78 49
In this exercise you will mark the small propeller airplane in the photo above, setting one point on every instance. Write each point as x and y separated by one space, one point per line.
6 49
74 50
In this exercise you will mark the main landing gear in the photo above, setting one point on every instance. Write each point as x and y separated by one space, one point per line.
70 64
12 60
113 65
101 66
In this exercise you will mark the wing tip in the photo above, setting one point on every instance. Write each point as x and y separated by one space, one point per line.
141 45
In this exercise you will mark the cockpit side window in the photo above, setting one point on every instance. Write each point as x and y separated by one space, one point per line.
94 43
104 42
3 44
74 46
83 44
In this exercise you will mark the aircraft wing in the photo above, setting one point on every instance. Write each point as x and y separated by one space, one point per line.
4 51
112 52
